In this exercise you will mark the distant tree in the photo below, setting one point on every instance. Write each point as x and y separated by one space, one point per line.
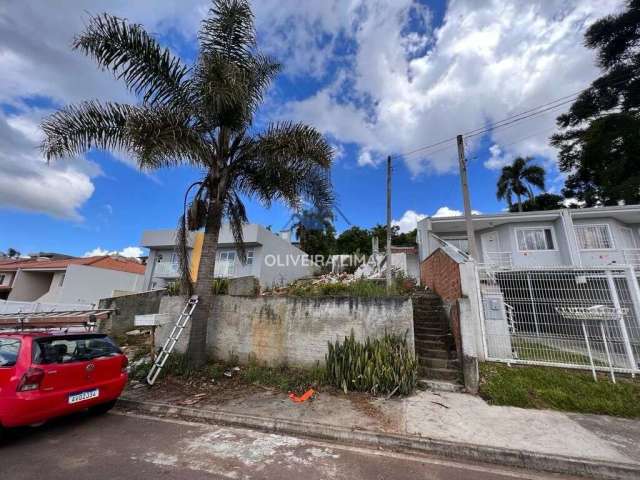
380 231
599 141
13 253
199 115
544 201
354 240
517 179
315 232
407 239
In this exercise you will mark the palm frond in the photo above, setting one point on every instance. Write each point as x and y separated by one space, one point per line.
229 30
289 162
76 129
535 175
135 57
164 137
237 215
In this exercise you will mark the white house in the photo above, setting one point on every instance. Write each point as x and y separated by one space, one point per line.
571 237
271 258
70 280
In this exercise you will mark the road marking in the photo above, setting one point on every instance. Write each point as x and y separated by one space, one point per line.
509 472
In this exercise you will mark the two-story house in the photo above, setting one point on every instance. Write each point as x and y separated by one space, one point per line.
567 237
68 280
271 258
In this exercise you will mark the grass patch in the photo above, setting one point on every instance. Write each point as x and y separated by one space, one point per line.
558 389
529 349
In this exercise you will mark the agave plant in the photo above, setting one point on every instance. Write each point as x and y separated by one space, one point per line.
199 115
382 365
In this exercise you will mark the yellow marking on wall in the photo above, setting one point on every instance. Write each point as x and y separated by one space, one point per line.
196 253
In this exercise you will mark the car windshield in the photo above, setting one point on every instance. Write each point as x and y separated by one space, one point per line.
9 348
73 349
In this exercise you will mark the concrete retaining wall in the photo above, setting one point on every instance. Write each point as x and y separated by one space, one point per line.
290 330
127 307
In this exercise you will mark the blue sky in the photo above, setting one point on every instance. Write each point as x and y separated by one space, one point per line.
376 77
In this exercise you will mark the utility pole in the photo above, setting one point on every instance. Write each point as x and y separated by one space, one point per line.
388 270
467 202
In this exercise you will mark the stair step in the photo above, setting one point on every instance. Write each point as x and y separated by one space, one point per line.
445 363
432 353
430 344
426 332
431 337
440 385
439 373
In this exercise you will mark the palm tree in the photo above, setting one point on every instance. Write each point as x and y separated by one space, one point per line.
517 179
200 116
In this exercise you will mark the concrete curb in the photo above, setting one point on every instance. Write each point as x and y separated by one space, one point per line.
398 443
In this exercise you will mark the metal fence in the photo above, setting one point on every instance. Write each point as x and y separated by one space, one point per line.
562 316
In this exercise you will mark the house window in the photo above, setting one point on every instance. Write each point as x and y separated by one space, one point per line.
249 257
530 239
2 277
227 263
461 244
594 237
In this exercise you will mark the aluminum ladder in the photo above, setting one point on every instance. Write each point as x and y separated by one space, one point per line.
172 340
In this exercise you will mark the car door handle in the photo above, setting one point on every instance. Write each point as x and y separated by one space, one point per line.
52 372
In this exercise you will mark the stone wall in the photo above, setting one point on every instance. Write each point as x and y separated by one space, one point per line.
291 330
127 307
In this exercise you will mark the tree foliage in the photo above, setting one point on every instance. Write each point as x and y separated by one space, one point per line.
599 141
199 115
544 201
518 179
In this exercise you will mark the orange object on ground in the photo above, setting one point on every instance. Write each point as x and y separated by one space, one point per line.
304 397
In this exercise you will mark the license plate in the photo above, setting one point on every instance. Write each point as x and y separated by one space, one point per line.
82 396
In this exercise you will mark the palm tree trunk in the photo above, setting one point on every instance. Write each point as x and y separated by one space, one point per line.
197 351
519 203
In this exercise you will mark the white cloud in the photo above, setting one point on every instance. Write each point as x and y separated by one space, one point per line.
365 158
396 90
451 212
36 61
408 221
498 159
132 252
28 183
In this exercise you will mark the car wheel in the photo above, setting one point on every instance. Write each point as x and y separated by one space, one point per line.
102 408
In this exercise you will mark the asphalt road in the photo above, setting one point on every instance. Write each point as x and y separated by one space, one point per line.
118 446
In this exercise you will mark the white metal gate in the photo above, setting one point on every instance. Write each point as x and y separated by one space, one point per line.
562 316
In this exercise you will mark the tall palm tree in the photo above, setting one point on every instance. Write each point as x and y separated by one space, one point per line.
201 116
518 178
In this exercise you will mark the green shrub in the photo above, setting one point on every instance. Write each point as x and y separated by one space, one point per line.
173 289
220 286
380 366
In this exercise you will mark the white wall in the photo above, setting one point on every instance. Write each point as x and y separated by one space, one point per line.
272 273
29 286
54 289
83 284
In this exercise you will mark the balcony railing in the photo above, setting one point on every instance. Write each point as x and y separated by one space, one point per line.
498 259
631 257
166 270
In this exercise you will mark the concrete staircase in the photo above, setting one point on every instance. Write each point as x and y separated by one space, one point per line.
435 347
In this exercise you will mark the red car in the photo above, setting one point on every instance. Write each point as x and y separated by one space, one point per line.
44 375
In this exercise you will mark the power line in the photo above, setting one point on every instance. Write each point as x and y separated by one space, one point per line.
530 113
